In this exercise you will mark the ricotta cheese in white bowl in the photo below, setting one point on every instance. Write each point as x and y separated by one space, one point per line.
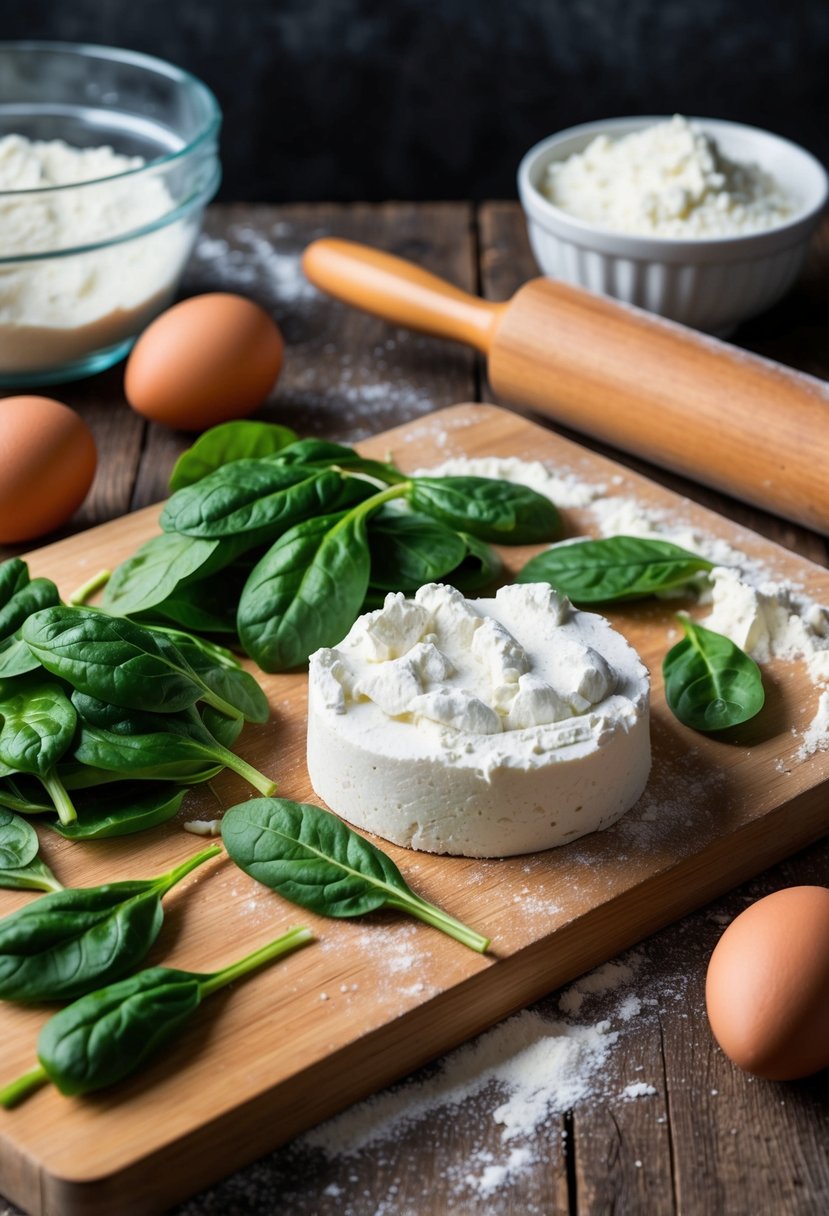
700 221
484 728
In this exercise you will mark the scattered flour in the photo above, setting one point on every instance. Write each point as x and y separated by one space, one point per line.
494 1176
816 736
604 979
525 1073
542 1067
630 1007
248 257
638 1089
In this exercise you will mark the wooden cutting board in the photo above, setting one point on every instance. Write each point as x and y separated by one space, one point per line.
376 998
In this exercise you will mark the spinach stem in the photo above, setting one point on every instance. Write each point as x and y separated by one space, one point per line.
213 698
46 881
399 490
432 915
175 875
289 941
87 589
250 774
373 471
363 509
20 1088
57 792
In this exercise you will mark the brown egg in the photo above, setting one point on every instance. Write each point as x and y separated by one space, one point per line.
47 462
767 988
206 360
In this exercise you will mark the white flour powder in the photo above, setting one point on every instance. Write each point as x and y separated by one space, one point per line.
59 309
527 1072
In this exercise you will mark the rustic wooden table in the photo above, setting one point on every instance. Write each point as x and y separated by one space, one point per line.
709 1139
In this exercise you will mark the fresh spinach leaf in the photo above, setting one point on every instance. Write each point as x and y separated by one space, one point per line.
222 672
108 1034
16 659
37 723
18 841
306 591
317 452
165 747
67 943
206 606
321 452
14 576
224 676
20 867
242 439
489 509
36 876
117 660
613 568
15 798
20 596
408 549
481 566
121 810
223 729
711 684
313 859
251 497
155 572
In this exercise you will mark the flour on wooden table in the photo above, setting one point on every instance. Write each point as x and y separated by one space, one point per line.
526 1072
249 257
638 1089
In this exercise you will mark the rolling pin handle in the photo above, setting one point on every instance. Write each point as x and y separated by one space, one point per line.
400 292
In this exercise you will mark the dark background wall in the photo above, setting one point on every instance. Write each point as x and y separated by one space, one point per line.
373 99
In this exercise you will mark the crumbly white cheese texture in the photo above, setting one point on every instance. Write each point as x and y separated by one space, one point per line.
669 180
105 288
484 728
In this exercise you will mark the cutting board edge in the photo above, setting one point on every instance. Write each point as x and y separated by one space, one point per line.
611 933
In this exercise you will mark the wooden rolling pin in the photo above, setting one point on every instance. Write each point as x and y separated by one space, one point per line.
681 399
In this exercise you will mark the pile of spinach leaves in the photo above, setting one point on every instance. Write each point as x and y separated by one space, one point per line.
282 542
105 721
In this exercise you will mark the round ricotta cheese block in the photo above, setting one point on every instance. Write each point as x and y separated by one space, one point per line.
483 728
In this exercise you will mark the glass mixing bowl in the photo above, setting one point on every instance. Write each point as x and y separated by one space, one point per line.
85 266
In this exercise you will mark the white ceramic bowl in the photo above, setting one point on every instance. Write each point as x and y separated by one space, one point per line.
711 284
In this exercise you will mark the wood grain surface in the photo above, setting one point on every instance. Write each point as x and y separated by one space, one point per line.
710 1139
